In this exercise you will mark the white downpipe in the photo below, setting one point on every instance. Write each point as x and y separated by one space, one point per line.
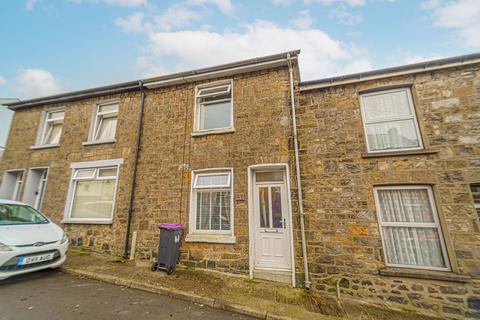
299 180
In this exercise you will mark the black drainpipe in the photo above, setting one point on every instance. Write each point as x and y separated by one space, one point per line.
134 172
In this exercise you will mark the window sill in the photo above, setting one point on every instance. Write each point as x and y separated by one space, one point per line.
45 146
91 143
210 238
398 153
425 274
204 133
86 221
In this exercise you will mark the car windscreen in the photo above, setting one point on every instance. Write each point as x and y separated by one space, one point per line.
11 214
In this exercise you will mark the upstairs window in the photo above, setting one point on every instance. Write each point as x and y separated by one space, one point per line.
476 197
389 121
213 107
51 129
410 229
211 209
105 122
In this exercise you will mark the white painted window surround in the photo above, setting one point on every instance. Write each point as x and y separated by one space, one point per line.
12 183
50 130
92 192
410 228
213 108
211 206
389 121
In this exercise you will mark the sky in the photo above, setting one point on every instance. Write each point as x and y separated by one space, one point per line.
53 46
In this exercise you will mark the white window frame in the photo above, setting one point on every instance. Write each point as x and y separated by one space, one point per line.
435 224
43 127
193 204
96 165
476 205
96 118
228 84
413 117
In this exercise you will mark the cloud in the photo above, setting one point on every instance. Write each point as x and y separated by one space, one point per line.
30 4
2 80
282 3
346 17
226 6
174 17
351 3
133 23
303 21
418 58
321 55
36 83
124 3
460 15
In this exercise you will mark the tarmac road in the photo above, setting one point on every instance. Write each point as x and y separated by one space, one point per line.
51 295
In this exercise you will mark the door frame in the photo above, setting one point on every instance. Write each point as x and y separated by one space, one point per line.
251 213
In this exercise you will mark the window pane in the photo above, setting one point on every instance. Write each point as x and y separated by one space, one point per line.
214 90
108 108
264 208
93 199
269 176
213 210
413 246
277 216
57 115
213 180
216 115
85 173
386 106
107 127
392 135
107 172
53 131
476 193
407 205
11 214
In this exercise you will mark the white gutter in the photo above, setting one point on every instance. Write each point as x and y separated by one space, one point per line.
217 73
299 180
360 78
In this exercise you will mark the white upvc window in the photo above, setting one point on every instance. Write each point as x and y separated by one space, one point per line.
214 107
51 128
104 124
211 209
410 228
92 192
12 183
476 197
389 121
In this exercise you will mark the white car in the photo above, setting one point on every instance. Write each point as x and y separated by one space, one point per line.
29 241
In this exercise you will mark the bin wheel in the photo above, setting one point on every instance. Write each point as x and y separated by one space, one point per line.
154 266
170 270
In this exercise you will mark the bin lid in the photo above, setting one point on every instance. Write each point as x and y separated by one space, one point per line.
171 226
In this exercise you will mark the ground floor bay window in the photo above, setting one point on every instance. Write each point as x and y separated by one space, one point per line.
92 192
410 228
211 208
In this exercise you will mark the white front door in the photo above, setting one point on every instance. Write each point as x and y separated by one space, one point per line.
271 220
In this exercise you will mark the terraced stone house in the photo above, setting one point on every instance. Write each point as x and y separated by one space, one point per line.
388 164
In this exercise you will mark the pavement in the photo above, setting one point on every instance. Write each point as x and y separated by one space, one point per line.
52 294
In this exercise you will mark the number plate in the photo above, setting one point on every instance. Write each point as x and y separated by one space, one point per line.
35 259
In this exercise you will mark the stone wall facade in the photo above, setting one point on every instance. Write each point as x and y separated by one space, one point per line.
345 254
78 115
344 243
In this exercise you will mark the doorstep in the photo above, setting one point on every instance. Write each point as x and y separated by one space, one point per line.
255 298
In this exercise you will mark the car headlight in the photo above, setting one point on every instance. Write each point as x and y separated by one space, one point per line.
64 238
4 247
